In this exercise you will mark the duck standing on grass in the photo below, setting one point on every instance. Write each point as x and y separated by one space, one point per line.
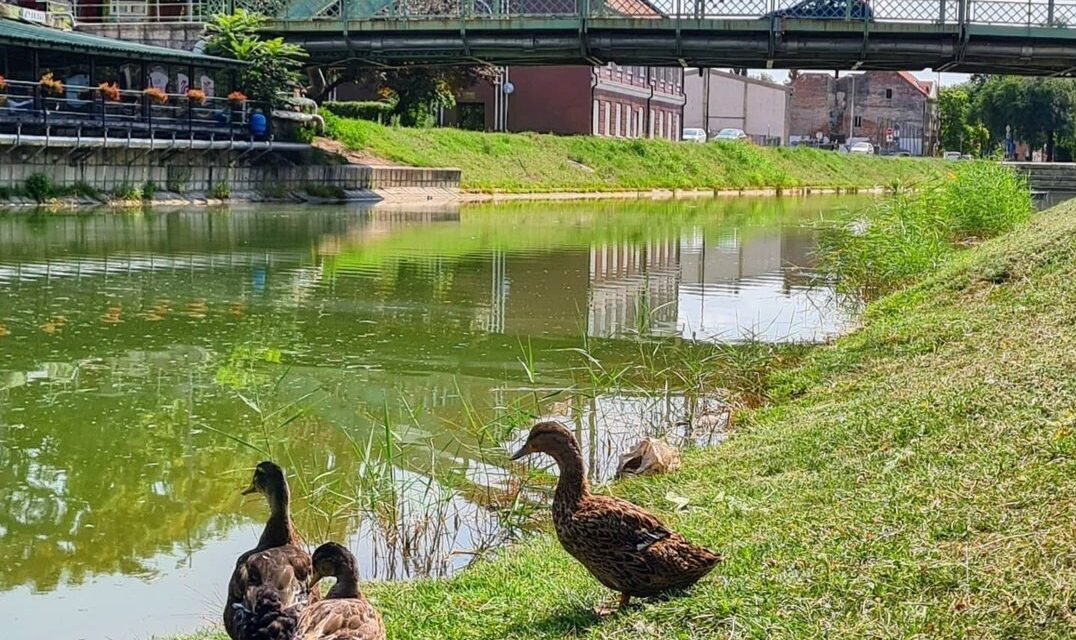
626 548
270 584
344 613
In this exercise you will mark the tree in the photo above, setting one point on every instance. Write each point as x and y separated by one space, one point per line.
274 64
1038 110
954 109
417 92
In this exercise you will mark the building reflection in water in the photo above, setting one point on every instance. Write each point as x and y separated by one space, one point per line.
126 340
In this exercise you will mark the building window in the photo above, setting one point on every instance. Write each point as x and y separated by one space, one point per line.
605 118
857 121
616 121
888 94
595 118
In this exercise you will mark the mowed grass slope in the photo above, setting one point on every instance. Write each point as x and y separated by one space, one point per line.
917 479
545 163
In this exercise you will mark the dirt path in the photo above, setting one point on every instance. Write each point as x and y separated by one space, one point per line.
329 145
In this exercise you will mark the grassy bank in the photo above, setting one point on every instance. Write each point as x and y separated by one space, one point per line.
915 479
545 163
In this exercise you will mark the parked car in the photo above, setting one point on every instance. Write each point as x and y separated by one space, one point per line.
692 134
825 10
951 155
864 148
733 135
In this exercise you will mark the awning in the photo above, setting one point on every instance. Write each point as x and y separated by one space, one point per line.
15 33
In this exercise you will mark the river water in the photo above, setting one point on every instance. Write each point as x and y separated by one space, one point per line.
148 360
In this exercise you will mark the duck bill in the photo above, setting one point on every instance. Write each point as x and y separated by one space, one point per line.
523 451
249 490
314 579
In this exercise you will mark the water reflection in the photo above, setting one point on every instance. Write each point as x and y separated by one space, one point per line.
145 359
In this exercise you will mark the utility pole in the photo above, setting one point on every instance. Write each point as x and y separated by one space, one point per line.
852 109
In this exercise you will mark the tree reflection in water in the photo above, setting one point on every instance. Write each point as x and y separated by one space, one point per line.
386 360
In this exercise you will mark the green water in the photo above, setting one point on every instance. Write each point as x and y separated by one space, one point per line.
149 360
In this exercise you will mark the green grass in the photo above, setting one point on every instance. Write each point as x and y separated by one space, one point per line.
916 479
900 238
544 163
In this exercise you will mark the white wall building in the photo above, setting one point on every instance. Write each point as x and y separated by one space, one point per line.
719 99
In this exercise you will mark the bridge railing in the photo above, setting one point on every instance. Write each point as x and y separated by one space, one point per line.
1029 13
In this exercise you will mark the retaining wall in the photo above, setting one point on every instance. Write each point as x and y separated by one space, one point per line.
109 170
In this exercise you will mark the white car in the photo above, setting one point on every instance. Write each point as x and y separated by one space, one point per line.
864 148
693 135
731 134
951 155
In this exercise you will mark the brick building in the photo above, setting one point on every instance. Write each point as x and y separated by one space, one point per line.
893 110
614 101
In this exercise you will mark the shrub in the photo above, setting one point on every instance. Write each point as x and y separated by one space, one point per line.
904 236
221 191
375 110
327 191
39 187
127 191
149 190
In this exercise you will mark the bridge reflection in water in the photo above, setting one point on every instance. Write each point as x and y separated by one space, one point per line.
137 353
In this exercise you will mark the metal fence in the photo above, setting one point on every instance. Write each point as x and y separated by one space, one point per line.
31 105
1036 13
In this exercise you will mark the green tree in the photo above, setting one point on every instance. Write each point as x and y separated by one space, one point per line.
1039 110
274 64
954 107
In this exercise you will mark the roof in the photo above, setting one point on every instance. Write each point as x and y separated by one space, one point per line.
28 35
922 86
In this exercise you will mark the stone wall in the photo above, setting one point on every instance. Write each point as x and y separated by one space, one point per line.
111 170
176 35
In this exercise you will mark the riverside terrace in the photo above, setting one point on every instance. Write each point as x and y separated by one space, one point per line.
65 83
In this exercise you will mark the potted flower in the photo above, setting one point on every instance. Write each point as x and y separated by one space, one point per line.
110 91
237 98
196 97
51 86
156 96
3 87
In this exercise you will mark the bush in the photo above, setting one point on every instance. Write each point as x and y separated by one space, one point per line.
375 110
327 191
39 187
149 190
904 236
127 191
221 191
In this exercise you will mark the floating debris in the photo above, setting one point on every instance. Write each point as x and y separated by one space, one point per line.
650 456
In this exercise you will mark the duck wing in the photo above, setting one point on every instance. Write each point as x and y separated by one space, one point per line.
284 570
619 525
341 619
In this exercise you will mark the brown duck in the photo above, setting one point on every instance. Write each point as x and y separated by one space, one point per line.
344 613
270 583
623 546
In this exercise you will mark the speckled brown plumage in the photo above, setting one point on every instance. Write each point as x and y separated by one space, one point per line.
344 613
626 548
272 579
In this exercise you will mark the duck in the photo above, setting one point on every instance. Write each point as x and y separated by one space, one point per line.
627 549
271 582
344 613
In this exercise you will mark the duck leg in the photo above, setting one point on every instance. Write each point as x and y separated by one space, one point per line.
608 609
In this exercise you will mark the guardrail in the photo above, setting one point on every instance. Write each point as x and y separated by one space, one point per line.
143 113
1034 13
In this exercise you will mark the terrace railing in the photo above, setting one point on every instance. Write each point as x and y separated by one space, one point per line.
138 113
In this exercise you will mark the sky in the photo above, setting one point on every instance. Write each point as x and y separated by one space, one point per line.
947 79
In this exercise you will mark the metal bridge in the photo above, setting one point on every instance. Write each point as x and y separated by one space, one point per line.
997 36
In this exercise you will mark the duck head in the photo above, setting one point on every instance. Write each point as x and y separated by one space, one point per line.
551 439
334 560
268 480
